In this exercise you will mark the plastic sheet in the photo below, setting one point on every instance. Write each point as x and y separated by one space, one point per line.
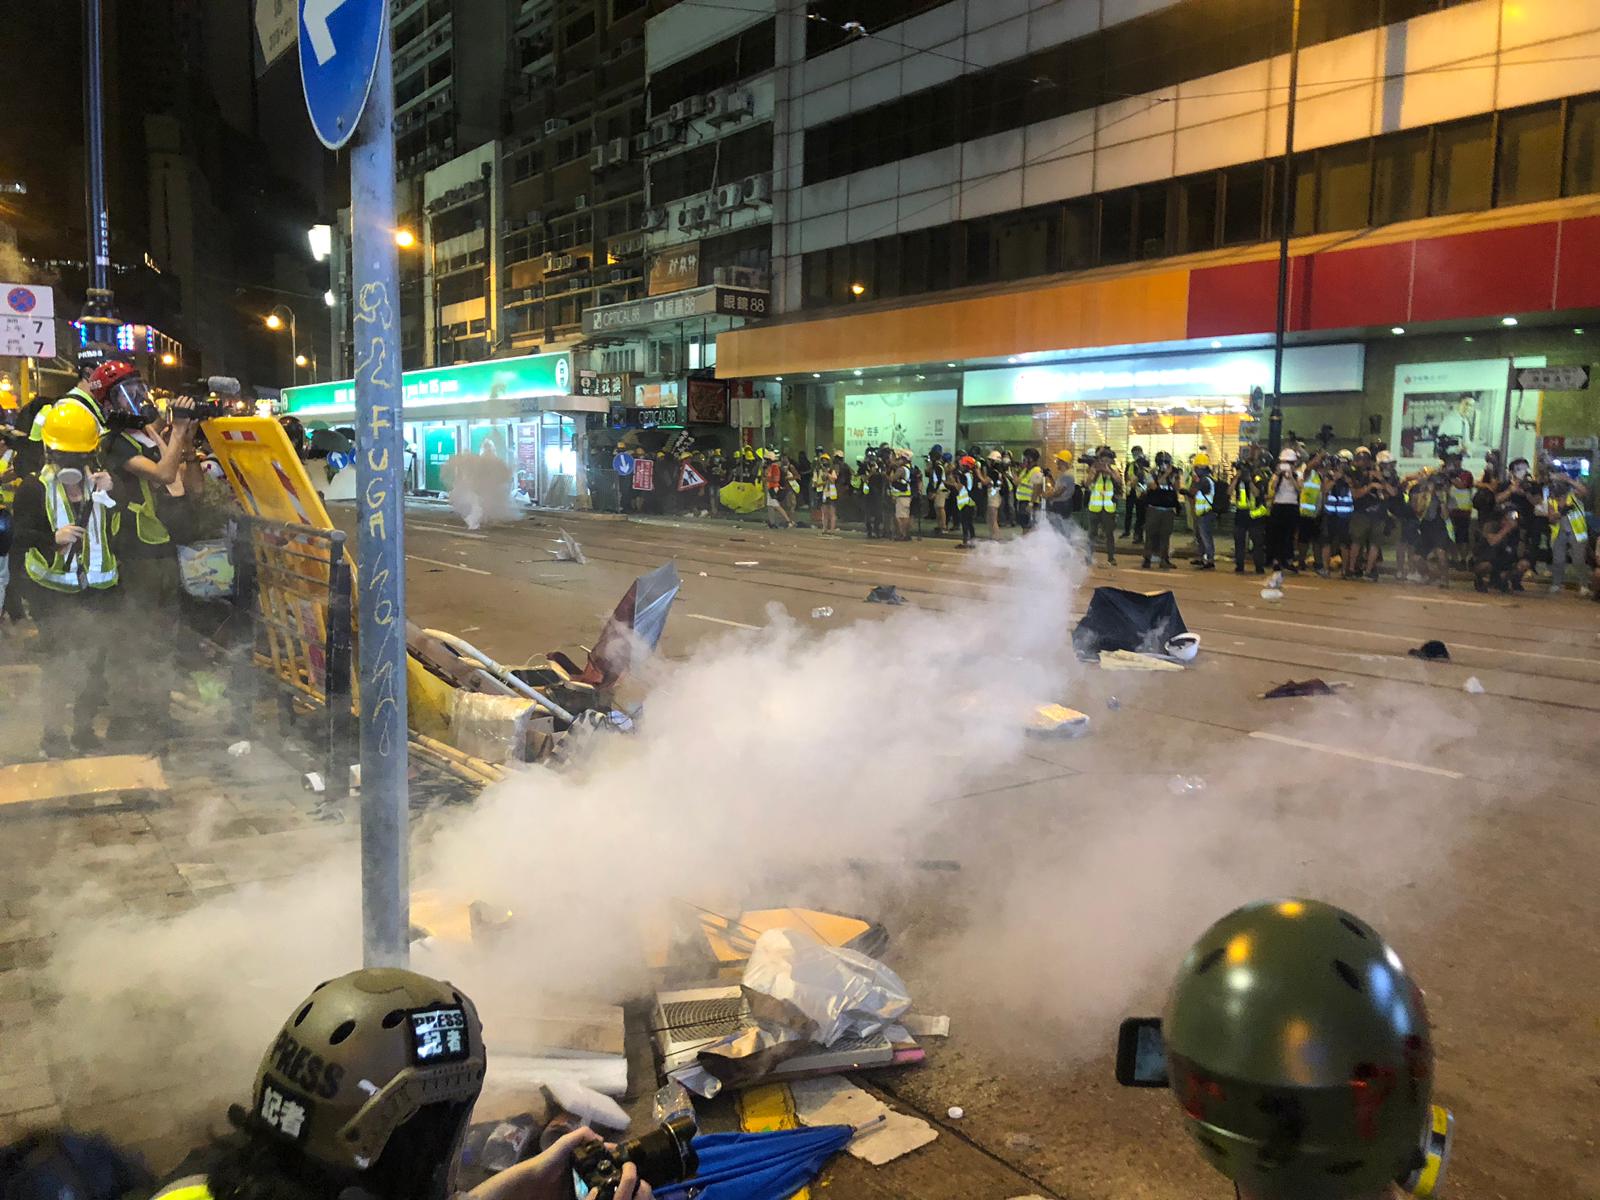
821 992
206 570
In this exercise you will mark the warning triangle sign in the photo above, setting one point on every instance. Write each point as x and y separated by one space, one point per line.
690 479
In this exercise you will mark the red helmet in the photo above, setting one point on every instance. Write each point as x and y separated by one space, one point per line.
117 387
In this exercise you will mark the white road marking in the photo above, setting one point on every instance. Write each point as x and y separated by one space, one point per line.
720 621
1401 764
1401 637
466 533
434 562
1442 600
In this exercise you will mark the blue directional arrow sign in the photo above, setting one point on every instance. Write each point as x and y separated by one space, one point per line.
340 41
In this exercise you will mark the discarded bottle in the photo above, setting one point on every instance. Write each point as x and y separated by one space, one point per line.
1113 703
822 613
1181 785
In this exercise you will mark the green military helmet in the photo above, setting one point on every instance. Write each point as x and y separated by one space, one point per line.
363 1055
1299 1050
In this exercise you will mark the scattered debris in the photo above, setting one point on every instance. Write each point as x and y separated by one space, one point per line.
1119 619
888 1134
918 1025
1057 720
1113 703
1182 785
1434 651
1130 660
1303 687
821 613
955 1112
1184 647
885 593
1474 685
568 550
313 782
748 563
821 992
63 778
704 575
1271 593
1276 581
239 749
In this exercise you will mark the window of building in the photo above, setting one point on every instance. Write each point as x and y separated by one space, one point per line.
1153 213
468 285
1400 176
1463 166
726 160
1116 227
1197 216
746 53
621 8
826 28
1077 235
1582 147
1344 187
1244 213
578 30
1528 166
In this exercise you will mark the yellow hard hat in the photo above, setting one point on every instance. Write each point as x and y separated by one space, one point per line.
70 428
1202 459
1064 457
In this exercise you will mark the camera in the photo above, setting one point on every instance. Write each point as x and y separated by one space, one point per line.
1445 445
663 1155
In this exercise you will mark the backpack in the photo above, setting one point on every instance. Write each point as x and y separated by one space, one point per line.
63 1165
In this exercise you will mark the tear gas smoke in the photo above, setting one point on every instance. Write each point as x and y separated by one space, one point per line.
480 487
764 765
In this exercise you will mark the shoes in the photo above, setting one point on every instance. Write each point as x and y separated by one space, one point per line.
1480 585
1372 577
1111 562
1516 585
1324 573
1166 564
1556 589
1238 570
1210 566
1145 565
1585 593
1198 564
1261 570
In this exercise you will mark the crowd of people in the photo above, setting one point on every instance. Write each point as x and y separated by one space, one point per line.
98 491
1347 513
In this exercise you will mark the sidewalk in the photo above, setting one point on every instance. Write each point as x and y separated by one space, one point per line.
221 822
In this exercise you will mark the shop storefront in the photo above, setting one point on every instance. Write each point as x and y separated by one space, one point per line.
522 410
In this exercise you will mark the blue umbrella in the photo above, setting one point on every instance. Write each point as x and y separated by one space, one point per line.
758 1166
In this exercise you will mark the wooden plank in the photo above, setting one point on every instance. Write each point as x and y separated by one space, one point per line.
65 778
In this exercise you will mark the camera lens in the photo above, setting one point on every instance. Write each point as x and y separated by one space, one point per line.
665 1154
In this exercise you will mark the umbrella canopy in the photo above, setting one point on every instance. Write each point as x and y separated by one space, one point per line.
330 440
634 629
1118 619
758 1166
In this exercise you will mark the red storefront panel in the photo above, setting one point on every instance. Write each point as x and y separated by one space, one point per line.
1485 274
1578 270
1239 298
1368 285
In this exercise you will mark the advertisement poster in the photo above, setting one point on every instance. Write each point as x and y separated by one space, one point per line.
675 269
1461 405
708 401
914 421
438 447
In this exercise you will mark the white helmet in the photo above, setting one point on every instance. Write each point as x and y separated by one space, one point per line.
1287 455
1184 646
1384 457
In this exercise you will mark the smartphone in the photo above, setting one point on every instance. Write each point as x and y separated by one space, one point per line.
1141 1053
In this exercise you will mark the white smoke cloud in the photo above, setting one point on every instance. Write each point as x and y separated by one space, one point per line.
480 488
763 766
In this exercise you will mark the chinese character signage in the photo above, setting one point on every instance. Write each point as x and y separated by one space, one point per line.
462 384
675 269
680 306
741 302
644 475
616 383
707 401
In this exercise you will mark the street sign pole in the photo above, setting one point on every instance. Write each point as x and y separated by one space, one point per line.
380 552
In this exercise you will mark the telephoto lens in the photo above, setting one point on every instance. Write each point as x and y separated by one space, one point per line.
663 1155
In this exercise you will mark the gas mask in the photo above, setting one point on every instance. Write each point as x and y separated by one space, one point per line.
1426 1179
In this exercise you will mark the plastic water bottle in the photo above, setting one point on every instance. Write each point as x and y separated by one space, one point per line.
1181 785
822 613
1113 703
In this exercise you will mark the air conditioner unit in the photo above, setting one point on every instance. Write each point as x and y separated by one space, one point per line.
732 105
618 150
758 189
663 131
557 262
597 158
729 197
555 125
618 274
534 216
740 277
580 201
696 105
686 219
643 141
655 218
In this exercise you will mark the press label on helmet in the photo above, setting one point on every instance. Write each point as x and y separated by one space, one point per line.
439 1035
283 1111
301 1067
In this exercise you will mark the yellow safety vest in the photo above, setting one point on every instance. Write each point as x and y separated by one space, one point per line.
1202 500
962 499
186 1189
1310 493
1028 484
1102 496
901 485
1241 495
8 491
93 563
146 524
1573 512
1460 499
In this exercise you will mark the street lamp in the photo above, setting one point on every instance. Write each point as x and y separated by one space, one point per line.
1275 421
404 238
274 321
169 359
